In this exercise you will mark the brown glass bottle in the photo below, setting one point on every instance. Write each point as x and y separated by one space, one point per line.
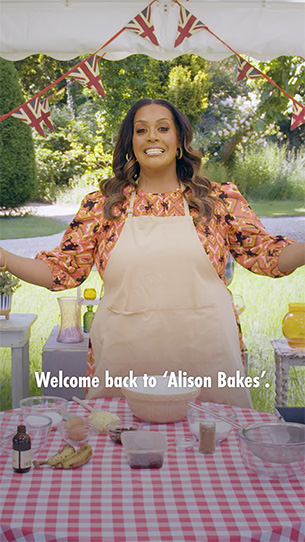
21 453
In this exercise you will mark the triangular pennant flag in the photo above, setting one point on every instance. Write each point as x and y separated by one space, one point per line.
45 114
187 26
298 115
141 25
245 69
31 113
88 74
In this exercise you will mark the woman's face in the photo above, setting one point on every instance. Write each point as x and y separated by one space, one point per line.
155 140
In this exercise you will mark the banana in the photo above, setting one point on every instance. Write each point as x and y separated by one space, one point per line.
64 453
77 459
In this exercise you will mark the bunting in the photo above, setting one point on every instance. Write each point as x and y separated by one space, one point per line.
35 113
88 74
142 26
187 26
245 69
298 115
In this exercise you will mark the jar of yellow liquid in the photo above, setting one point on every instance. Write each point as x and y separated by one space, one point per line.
90 293
293 325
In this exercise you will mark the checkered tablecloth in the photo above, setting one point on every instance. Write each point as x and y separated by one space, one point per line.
193 497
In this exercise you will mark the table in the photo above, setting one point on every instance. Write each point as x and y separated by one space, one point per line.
284 357
15 333
70 358
191 498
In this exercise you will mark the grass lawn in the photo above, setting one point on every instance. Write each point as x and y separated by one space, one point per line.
29 226
278 208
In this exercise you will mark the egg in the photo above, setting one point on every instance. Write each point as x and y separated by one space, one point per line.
74 422
77 433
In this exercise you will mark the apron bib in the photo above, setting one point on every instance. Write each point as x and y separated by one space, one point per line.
165 308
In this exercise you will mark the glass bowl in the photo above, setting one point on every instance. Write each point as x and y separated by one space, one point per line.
115 430
223 429
76 435
274 449
38 427
51 406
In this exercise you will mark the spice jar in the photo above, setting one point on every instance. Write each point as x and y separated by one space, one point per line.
21 452
207 432
293 325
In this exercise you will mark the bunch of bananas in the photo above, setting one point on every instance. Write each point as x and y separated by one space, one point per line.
67 458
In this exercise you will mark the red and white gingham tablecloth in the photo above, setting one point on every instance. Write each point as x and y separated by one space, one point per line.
193 497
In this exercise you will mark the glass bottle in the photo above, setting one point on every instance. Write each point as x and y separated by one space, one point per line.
21 453
87 318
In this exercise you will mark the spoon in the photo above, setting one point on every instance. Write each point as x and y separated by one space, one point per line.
83 404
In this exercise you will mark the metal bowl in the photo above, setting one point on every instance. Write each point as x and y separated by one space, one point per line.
275 449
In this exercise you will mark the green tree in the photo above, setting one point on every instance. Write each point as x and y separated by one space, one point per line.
273 114
17 161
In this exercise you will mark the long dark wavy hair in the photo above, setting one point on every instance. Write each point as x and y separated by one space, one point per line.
126 168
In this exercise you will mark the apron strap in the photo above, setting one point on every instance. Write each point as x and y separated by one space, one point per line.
132 200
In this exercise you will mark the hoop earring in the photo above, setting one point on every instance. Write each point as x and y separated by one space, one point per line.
127 157
179 153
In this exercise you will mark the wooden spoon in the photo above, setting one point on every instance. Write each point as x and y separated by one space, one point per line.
83 404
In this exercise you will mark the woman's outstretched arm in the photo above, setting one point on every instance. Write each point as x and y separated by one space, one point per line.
291 257
27 269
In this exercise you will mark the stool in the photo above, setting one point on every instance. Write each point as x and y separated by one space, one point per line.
69 358
285 357
15 333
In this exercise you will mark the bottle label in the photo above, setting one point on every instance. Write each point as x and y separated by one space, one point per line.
21 460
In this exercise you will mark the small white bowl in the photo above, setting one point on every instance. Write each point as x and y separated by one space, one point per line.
223 429
161 404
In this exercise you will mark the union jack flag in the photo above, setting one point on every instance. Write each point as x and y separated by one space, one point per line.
246 70
187 26
35 113
298 115
142 26
88 74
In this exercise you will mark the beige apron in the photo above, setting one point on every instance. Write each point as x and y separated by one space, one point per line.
165 308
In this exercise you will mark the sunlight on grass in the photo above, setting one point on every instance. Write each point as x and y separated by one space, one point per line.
29 226
278 208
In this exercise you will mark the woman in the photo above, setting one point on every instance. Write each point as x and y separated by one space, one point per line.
160 235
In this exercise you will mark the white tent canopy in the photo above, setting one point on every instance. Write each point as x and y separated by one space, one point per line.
64 29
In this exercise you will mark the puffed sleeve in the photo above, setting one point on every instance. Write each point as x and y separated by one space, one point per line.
250 244
70 263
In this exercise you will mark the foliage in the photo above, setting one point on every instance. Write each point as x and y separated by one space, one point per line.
267 171
274 109
17 162
8 283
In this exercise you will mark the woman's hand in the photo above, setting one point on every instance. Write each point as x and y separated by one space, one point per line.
28 269
291 257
